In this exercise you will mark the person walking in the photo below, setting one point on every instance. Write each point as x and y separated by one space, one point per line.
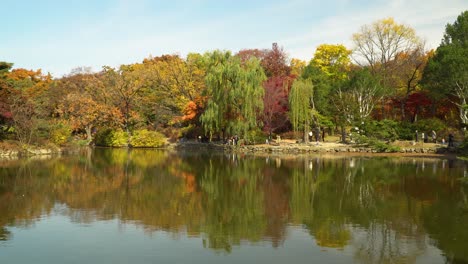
434 136
416 136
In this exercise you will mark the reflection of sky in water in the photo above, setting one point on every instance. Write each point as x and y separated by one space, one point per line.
55 239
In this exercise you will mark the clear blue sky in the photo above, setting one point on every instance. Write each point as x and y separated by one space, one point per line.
59 35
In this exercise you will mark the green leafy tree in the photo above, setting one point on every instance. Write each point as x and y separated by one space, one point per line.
358 97
323 87
235 94
446 73
301 105
329 67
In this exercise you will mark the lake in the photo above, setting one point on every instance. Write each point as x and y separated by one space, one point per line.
154 206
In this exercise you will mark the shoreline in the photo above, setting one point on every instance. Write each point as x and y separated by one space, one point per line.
281 149
321 148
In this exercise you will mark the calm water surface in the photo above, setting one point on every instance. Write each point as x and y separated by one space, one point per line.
148 206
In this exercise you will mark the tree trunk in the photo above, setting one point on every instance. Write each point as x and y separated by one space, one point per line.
89 136
343 134
403 112
127 117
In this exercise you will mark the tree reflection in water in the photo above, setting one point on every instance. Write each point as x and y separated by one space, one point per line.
382 209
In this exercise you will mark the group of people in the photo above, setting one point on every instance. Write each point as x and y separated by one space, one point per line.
433 134
233 140
318 134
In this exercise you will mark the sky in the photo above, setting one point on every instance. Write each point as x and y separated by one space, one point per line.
58 36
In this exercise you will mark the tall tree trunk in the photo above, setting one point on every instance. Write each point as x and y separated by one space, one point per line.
403 112
306 135
343 134
89 136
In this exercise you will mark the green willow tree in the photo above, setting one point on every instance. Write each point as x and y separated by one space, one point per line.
301 104
235 94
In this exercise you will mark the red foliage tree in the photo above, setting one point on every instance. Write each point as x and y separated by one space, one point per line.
274 60
416 104
275 102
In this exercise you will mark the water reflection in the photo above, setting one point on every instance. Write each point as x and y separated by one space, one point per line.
380 209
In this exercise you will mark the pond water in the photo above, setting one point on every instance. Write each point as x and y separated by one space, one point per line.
150 206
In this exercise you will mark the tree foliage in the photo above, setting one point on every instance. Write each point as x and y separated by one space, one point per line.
235 94
379 44
301 104
275 114
333 60
356 100
446 73
249 93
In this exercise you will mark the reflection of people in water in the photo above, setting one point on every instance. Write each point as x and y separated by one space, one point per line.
450 163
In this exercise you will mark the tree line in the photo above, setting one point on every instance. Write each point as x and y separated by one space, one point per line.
386 86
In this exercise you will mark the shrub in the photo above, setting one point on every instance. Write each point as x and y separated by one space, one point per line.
384 130
147 139
140 139
111 138
59 133
291 135
406 131
427 125
375 144
256 136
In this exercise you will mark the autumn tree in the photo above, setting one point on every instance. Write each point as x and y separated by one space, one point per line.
275 114
297 66
87 104
333 60
247 54
379 43
274 61
328 68
126 85
446 74
5 113
408 74
27 101
175 85
235 94
379 47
